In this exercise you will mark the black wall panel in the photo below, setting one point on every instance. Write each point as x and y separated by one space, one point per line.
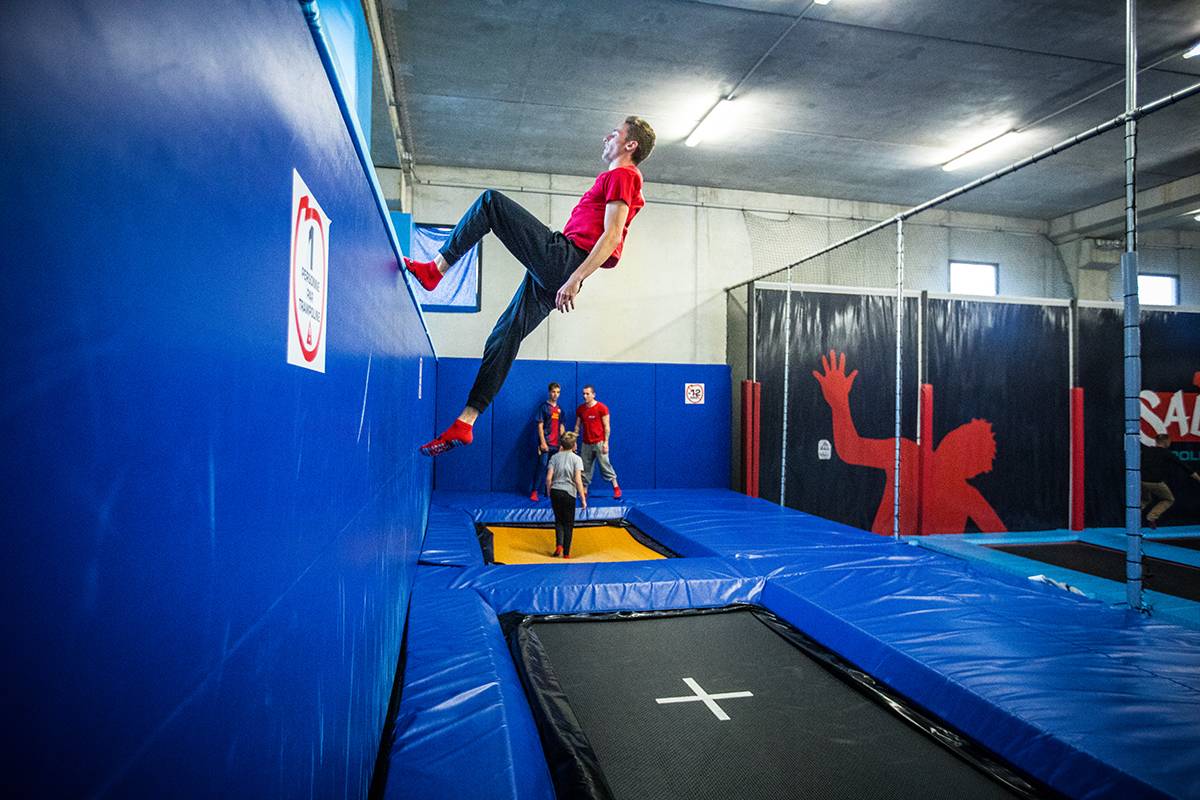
1007 364
1170 362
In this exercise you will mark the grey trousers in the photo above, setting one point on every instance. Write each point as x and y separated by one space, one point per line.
591 453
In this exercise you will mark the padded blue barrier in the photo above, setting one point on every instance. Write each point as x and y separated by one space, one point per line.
1090 700
210 551
695 522
691 440
464 728
628 391
1093 700
465 468
667 583
973 547
515 451
659 441
450 539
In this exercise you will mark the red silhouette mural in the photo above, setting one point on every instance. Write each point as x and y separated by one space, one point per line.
947 500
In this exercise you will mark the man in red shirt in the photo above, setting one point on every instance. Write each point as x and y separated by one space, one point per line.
556 264
593 417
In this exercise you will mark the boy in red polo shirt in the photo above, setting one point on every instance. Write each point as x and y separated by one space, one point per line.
549 426
593 417
556 264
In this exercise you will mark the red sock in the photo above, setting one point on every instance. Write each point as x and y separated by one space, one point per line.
457 435
426 273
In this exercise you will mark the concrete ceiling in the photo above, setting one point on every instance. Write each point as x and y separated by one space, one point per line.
859 99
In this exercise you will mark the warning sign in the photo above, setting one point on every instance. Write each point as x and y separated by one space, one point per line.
308 289
693 394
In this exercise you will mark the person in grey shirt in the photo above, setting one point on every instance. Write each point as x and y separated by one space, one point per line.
564 482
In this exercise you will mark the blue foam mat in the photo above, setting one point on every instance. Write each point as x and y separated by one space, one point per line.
463 728
1092 700
1166 607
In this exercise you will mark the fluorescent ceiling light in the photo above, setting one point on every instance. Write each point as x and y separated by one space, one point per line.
1195 51
1197 218
982 152
821 2
710 124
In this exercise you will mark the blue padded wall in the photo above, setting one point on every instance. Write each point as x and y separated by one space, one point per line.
468 469
658 441
628 391
513 413
691 442
209 552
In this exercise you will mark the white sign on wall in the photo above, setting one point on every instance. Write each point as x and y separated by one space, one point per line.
693 394
308 288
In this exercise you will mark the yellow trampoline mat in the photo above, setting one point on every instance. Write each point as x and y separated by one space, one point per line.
589 543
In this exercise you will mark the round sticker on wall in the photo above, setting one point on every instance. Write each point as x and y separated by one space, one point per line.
308 289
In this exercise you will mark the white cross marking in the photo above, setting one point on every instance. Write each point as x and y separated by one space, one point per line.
704 697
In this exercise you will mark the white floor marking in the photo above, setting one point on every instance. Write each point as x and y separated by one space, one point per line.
702 696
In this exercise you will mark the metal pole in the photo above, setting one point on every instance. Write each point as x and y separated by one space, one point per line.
899 368
787 347
752 331
1132 319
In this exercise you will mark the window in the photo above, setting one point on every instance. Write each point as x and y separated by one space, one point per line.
1158 290
461 288
972 277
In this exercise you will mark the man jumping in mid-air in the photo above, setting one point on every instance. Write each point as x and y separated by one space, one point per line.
556 264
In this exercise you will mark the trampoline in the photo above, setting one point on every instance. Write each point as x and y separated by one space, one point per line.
730 703
610 540
1167 577
1190 542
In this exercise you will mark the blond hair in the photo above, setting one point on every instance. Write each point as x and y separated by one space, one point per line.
568 440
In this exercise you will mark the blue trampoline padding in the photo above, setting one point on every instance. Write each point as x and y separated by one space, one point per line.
463 728
504 507
1081 696
1095 701
972 547
664 584
692 522
450 539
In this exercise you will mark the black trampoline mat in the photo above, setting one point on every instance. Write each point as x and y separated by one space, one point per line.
1168 577
1190 542
804 732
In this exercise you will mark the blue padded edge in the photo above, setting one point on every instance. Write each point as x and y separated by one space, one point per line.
671 583
463 728
1179 610
692 522
1094 700
1062 687
450 539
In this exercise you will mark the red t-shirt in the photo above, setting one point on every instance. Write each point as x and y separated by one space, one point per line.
586 223
591 421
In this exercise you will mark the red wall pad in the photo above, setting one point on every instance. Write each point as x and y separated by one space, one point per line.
925 455
747 431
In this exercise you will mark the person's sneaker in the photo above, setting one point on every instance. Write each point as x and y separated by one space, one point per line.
566 555
1153 523
457 435
533 496
426 272
616 493
557 551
